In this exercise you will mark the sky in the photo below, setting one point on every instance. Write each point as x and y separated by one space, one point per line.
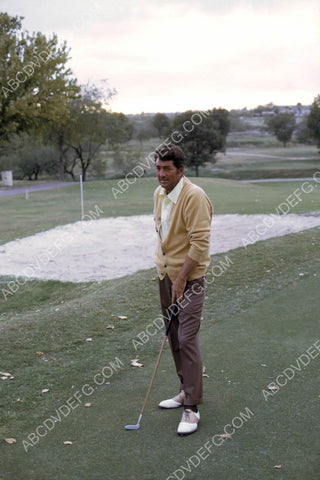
176 55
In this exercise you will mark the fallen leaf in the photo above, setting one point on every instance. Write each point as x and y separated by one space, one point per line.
277 466
10 440
110 326
135 363
6 376
67 442
45 390
225 435
204 374
88 339
273 387
122 317
263 365
87 404
39 353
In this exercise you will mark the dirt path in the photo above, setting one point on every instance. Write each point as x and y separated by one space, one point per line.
4 191
263 155
266 180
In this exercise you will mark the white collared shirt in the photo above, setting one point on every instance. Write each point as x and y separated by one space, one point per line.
166 207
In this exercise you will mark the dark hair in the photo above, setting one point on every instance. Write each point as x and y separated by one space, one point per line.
169 151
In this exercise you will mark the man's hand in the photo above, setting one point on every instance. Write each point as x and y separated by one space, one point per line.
177 289
179 284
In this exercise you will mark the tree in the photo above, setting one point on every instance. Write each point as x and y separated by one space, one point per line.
87 129
299 108
302 133
161 123
30 157
35 84
119 128
125 159
313 121
143 128
35 159
282 125
143 133
55 135
201 141
69 162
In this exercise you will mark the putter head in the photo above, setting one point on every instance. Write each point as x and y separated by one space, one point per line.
132 427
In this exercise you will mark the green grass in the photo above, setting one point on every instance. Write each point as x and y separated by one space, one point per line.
48 209
261 174
256 162
251 138
293 151
261 311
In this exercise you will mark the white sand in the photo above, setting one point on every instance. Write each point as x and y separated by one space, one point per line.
113 247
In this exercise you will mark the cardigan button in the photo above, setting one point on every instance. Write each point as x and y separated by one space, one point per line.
165 266
163 253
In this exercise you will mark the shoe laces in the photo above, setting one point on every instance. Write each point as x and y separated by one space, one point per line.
187 415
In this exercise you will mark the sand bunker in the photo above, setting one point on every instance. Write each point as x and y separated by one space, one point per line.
113 247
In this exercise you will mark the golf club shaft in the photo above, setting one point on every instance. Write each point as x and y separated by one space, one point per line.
154 374
158 359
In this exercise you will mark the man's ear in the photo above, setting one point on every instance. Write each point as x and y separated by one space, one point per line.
181 169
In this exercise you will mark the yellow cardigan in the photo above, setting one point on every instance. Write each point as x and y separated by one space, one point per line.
189 232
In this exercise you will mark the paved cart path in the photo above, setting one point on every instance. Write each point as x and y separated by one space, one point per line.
4 191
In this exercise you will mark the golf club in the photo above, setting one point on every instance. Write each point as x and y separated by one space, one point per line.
136 427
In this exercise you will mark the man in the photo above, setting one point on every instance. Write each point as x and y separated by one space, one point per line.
183 216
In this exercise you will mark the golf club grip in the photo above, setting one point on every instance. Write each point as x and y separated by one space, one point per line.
158 359
171 318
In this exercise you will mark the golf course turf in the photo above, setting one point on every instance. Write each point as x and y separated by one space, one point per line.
261 319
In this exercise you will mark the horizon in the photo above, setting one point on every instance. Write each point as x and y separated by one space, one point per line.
115 107
206 109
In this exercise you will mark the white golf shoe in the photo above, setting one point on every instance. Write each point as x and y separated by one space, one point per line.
189 422
174 402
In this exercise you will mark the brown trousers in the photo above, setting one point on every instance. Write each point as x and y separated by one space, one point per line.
184 335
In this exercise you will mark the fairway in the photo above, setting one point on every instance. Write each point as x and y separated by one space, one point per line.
261 317
255 326
243 161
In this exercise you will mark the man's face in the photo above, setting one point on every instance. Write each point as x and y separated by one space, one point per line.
168 175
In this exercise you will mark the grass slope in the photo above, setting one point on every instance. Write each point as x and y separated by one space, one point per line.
246 161
262 311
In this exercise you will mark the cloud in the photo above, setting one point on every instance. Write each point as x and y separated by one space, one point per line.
178 53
